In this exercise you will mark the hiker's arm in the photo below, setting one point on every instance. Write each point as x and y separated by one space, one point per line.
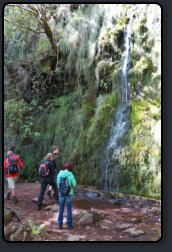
58 179
20 163
5 164
73 180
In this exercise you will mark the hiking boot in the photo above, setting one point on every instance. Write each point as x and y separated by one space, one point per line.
59 227
7 196
56 202
70 227
38 207
49 193
15 199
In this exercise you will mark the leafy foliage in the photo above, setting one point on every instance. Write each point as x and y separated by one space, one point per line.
36 231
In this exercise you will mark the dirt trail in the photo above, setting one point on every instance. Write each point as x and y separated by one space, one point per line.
109 229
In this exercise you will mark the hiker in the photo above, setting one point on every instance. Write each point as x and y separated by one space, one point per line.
47 180
65 195
12 166
55 170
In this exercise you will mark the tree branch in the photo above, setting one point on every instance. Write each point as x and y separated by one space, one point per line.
22 26
30 9
23 8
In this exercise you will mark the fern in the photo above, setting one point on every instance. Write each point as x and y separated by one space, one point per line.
36 230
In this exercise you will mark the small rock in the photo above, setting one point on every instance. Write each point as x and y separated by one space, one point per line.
125 210
24 236
112 201
124 226
12 238
104 227
55 208
137 206
134 220
73 238
133 231
92 195
75 212
48 208
107 222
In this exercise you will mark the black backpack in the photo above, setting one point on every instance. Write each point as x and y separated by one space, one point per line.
64 187
44 170
12 166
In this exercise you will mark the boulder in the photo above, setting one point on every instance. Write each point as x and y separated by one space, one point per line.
97 215
86 219
8 230
18 235
8 216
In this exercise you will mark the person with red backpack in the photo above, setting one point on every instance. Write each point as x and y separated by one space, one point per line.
46 172
12 166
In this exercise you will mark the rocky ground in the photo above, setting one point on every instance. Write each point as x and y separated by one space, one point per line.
96 217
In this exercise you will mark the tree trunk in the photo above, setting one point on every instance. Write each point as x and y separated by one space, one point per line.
50 38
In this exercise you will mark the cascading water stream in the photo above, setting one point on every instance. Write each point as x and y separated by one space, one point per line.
122 117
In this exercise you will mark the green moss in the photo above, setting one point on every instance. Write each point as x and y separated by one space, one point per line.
99 130
138 110
141 159
46 68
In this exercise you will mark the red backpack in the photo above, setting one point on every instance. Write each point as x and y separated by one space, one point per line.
12 165
44 170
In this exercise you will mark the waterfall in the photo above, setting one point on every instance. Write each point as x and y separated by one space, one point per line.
125 64
122 117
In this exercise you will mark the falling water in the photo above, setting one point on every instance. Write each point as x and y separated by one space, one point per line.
122 117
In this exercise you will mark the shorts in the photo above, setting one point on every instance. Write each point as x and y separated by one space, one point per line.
11 182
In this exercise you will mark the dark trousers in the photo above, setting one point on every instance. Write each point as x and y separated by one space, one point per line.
44 183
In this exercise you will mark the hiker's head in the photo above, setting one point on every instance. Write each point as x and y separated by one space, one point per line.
68 166
9 153
49 156
55 149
